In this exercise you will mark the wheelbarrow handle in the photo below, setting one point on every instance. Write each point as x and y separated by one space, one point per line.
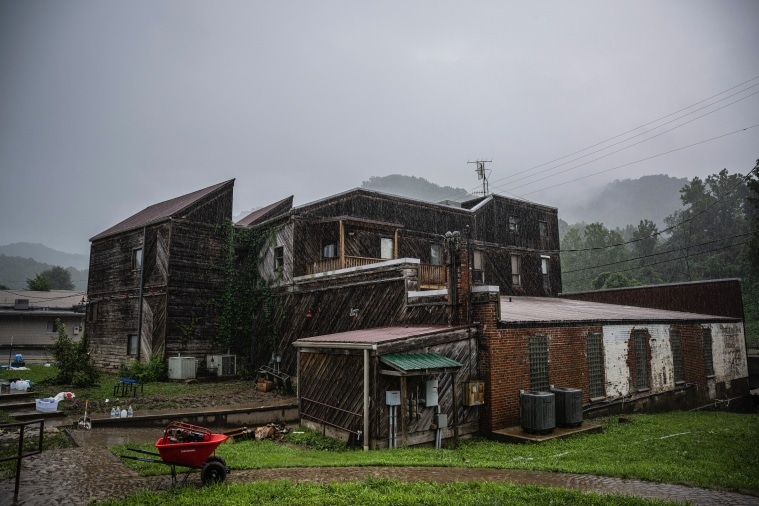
144 451
142 459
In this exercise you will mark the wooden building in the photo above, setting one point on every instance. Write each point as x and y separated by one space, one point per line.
154 278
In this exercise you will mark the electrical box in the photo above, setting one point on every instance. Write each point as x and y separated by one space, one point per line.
431 397
441 420
475 393
393 398
182 367
221 365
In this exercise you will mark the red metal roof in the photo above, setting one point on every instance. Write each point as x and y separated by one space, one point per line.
161 211
377 335
541 310
256 215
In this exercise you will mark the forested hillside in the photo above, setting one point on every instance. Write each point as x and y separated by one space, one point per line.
14 271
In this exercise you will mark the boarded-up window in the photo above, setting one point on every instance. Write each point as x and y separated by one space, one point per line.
516 270
595 366
539 363
640 344
706 334
386 248
677 356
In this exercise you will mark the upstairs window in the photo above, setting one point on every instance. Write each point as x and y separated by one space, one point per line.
386 248
52 326
436 254
543 227
478 273
279 258
137 259
513 224
516 270
329 250
92 311
544 265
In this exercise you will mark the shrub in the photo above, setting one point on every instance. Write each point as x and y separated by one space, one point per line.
75 366
152 370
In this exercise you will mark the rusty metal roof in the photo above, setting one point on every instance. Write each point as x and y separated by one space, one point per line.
267 212
409 362
161 211
550 310
368 337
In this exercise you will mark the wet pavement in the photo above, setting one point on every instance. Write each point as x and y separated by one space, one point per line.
90 472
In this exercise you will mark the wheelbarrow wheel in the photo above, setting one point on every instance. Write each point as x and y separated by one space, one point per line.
212 472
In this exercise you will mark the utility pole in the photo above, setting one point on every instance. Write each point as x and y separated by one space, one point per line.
482 174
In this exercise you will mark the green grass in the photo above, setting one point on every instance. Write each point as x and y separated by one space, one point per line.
375 492
711 450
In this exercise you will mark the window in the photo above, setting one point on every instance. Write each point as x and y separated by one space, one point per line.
279 258
539 363
52 326
640 344
595 366
329 250
677 357
92 311
543 227
513 224
436 254
386 248
137 259
478 273
516 269
132 344
544 263
706 334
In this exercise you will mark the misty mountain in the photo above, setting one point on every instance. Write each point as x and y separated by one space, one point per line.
617 204
628 201
14 271
43 254
416 188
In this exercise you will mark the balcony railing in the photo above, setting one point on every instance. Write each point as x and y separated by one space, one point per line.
430 276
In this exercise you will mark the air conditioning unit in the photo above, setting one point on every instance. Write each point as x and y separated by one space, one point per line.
568 406
182 367
221 365
537 412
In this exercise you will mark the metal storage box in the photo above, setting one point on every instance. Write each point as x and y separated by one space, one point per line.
182 367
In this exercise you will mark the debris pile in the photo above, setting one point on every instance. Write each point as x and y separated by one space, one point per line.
273 431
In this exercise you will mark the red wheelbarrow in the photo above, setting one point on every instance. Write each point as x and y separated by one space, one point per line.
191 446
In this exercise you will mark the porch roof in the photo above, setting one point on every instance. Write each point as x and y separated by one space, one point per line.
408 364
370 338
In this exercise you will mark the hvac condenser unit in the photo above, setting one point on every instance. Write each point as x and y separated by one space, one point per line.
221 365
182 367
568 406
537 412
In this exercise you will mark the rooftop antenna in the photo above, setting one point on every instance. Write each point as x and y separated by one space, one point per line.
482 173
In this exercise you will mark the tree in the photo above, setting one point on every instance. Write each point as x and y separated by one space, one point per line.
38 284
54 278
75 366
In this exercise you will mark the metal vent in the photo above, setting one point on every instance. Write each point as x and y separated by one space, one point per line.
537 412
568 406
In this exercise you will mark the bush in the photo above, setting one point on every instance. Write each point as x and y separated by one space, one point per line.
75 366
152 370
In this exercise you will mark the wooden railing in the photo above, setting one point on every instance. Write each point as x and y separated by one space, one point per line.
429 275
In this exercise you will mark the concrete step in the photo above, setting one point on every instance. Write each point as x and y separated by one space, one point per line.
15 396
21 405
33 414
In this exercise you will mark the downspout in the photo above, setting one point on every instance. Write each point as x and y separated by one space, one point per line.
139 311
366 400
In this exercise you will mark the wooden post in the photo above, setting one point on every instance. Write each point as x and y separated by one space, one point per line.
404 413
342 244
395 243
455 412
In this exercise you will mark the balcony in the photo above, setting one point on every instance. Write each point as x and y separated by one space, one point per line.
431 277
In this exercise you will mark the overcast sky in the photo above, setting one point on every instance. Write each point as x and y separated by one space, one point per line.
107 107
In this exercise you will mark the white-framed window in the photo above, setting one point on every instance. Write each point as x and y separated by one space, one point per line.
545 263
516 270
513 224
133 344
137 259
386 248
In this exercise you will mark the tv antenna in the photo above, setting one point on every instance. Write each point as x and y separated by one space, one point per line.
482 173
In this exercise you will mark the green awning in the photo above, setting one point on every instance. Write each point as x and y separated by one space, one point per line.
420 363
